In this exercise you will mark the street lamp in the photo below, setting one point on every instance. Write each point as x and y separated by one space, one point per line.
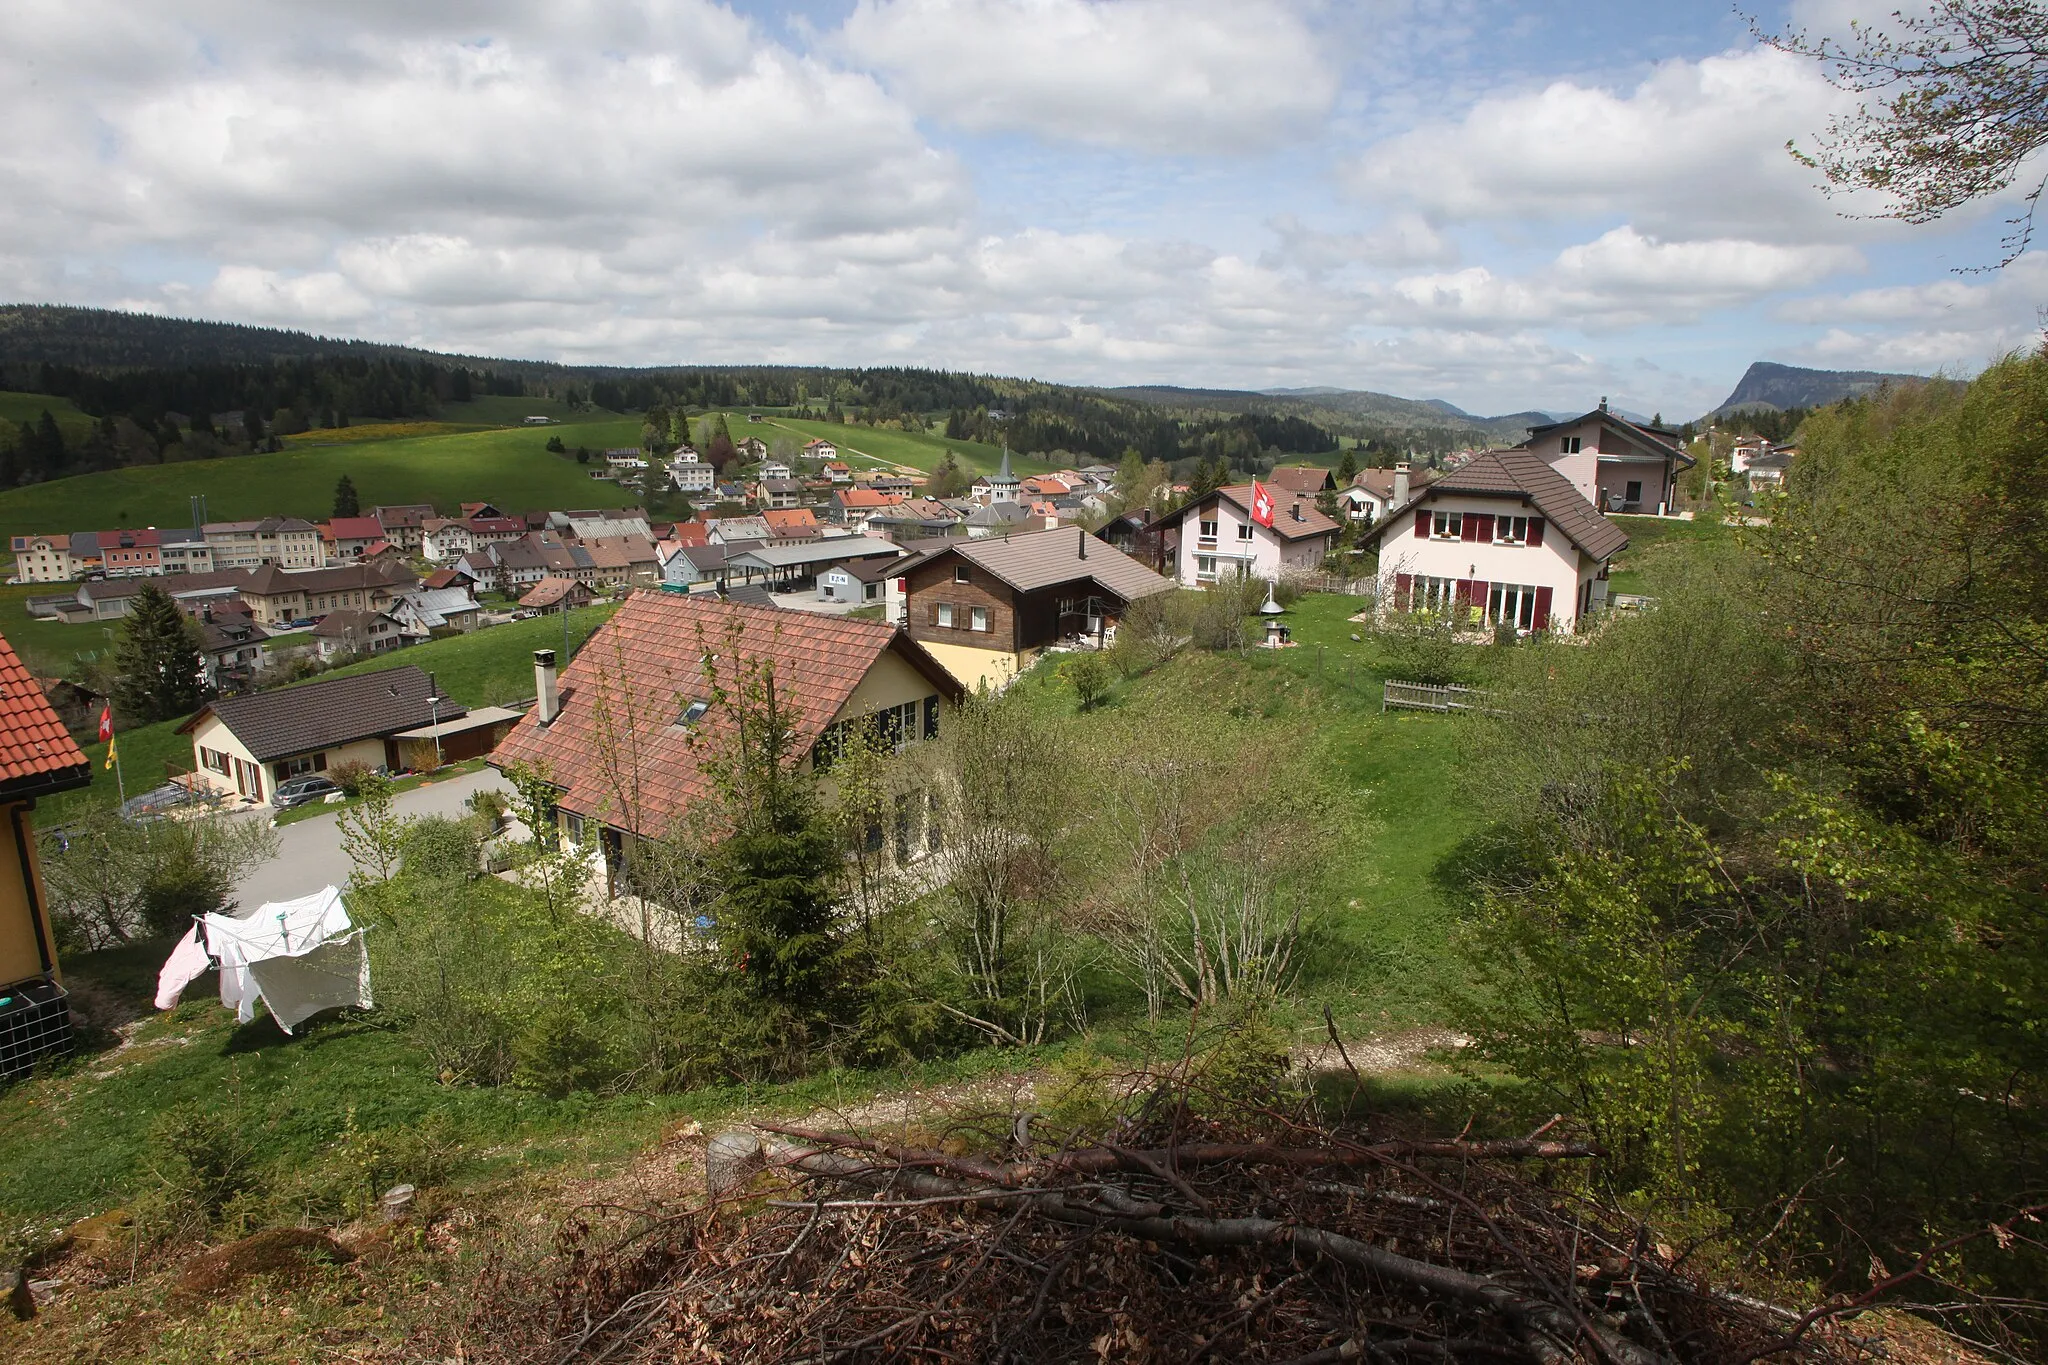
434 709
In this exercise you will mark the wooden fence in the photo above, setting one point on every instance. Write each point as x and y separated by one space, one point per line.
1411 696
1329 582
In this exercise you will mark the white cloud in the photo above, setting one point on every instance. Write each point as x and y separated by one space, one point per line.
1404 239
1955 352
1696 149
2004 298
1159 75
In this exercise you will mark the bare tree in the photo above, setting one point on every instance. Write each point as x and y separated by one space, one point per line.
1959 103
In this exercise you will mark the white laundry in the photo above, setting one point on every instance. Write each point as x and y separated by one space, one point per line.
187 963
299 957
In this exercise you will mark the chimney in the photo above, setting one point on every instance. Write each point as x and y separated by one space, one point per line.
1400 483
1603 402
1084 541
547 702
1297 513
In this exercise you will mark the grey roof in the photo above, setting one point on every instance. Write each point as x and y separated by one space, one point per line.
1661 439
999 514
750 595
818 552
1045 559
332 711
1518 473
348 621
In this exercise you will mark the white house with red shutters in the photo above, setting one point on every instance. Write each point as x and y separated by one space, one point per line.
1505 539
1218 536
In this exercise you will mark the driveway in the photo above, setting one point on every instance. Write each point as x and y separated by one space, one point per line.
808 600
309 852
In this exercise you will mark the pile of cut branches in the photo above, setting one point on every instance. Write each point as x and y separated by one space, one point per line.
1179 1239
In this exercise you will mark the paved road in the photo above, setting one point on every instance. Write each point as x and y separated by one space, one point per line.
309 852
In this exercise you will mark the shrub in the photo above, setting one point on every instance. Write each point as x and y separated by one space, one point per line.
489 809
435 846
1088 675
202 1161
351 777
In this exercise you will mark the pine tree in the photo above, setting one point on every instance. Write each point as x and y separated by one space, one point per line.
50 452
157 660
1347 468
346 503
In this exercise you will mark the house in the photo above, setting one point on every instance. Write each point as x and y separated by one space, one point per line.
1373 492
517 565
996 519
108 599
822 449
777 492
183 549
600 525
348 633
349 537
836 471
900 484
791 525
278 596
639 689
494 530
624 561
865 581
1302 480
536 421
691 565
852 506
1138 536
457 577
37 758
286 542
770 469
692 476
1504 540
740 531
479 566
472 510
1616 464
245 746
47 559
403 523
1767 471
987 608
431 612
913 519
628 459
1227 540
233 648
554 594
120 554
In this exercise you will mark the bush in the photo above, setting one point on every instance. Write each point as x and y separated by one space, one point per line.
1088 675
1422 647
351 777
202 1161
489 809
437 847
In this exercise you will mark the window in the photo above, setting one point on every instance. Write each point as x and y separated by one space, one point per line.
931 716
214 761
1635 491
1433 594
1205 568
960 573
977 618
693 713
1207 529
1510 530
300 766
1446 525
1244 532
1512 604
871 591
946 614
896 726
1568 445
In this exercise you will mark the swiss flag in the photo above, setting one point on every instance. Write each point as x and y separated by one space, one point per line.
1262 504
106 723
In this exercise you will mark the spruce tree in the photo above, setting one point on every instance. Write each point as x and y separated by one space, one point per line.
157 660
1347 468
50 452
346 503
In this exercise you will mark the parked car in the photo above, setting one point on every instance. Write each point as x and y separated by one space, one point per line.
158 802
300 790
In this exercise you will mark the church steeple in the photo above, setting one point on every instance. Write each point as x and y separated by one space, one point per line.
1003 487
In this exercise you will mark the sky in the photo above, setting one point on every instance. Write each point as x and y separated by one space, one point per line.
1507 206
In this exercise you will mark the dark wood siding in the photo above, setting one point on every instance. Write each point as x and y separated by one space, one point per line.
931 584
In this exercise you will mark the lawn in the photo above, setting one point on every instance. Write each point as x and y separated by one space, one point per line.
917 450
485 668
508 466
1653 544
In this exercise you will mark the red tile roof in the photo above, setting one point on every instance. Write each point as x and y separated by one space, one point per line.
629 685
866 497
789 518
356 528
36 752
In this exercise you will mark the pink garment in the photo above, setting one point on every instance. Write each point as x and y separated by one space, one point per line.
187 963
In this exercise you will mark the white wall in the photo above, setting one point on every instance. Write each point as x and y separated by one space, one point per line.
1556 564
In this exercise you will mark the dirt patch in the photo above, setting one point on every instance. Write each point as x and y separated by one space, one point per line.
288 1253
1383 1053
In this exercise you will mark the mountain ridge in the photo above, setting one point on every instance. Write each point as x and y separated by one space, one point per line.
1767 384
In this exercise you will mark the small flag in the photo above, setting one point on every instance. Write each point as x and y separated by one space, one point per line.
110 753
106 723
1262 504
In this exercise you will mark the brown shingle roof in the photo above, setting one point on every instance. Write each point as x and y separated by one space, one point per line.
331 711
652 651
1045 559
550 591
1311 522
1307 480
1520 473
36 753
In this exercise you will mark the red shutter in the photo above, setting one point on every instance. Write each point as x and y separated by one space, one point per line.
1479 587
1484 533
1462 595
1422 525
1404 588
1535 530
1468 527
1542 621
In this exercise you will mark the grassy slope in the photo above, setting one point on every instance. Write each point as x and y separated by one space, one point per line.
1654 542
73 1142
511 467
16 408
915 449
488 667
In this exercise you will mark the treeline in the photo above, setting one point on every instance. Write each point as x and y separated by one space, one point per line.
301 391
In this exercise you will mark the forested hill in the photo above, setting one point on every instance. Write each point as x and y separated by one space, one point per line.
1360 410
1769 385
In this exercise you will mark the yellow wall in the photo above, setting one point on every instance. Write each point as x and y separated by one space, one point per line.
19 959
973 667
213 733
